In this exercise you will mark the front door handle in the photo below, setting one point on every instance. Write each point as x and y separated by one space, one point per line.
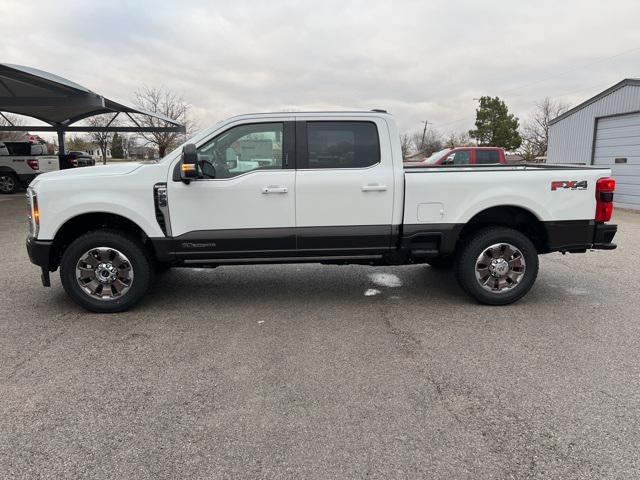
274 189
374 187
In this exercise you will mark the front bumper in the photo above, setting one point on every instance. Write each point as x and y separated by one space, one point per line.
603 235
40 254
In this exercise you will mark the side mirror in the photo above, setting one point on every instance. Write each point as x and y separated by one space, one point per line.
189 163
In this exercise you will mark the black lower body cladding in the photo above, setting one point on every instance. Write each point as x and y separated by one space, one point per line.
578 235
564 236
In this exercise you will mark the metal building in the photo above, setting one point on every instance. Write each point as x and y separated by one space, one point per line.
604 130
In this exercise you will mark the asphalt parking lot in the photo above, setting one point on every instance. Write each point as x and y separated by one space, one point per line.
310 371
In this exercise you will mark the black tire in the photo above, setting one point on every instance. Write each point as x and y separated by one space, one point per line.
444 263
8 183
135 253
481 241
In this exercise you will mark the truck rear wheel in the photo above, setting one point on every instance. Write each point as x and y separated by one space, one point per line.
106 271
497 266
8 183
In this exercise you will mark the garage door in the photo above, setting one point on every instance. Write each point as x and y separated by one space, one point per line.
618 145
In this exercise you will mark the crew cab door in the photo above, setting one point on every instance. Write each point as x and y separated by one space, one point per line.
244 204
344 186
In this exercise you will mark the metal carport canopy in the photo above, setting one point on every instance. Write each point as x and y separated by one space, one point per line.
60 103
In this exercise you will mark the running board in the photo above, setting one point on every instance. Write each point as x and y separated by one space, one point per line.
281 259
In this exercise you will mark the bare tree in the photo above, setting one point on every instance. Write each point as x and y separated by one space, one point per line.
406 144
432 142
7 119
102 139
535 131
76 143
459 140
170 104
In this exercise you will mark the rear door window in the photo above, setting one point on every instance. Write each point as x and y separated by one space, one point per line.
342 145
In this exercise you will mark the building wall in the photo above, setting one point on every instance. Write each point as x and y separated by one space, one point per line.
571 139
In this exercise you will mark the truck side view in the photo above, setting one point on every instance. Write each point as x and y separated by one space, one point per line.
309 187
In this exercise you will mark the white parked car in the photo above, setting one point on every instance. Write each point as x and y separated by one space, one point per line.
328 187
20 162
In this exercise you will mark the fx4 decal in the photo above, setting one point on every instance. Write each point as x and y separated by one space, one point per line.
569 184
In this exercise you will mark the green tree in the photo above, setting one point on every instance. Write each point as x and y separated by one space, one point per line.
117 150
495 126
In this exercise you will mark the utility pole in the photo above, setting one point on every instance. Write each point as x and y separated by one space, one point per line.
424 132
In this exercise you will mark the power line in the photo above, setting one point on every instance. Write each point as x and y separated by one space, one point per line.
595 62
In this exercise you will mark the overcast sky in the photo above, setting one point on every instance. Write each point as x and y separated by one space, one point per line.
417 59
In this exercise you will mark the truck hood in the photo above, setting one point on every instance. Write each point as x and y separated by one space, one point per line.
97 171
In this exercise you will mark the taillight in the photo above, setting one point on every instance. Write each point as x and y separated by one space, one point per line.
604 199
33 163
74 162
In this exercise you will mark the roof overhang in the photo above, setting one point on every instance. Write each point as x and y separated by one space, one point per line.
60 103
608 91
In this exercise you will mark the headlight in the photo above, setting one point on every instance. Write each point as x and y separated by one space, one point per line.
34 212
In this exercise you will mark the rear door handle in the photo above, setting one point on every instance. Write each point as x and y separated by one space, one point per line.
274 189
373 187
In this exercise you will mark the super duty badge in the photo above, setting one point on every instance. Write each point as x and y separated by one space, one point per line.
569 184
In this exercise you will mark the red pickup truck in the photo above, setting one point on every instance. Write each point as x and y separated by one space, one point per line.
464 156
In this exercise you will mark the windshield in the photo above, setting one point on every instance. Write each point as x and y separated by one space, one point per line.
435 157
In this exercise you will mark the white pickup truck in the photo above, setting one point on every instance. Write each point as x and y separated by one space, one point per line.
21 162
309 187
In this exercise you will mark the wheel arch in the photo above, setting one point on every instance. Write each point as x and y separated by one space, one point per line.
78 225
511 216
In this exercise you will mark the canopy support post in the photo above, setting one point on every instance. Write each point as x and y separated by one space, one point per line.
61 149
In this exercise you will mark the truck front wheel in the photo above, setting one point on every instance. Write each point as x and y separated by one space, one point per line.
497 266
106 271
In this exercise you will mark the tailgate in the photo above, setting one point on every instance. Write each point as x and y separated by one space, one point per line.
48 163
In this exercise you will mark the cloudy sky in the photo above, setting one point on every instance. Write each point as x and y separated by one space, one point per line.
418 59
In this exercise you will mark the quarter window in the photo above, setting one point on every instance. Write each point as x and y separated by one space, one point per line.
461 157
242 149
342 144
487 156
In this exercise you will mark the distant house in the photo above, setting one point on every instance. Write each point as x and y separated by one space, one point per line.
142 152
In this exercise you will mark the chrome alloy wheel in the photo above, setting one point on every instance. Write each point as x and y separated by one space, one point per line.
104 273
7 183
500 267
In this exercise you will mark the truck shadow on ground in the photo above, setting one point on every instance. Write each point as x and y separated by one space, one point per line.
306 285
295 283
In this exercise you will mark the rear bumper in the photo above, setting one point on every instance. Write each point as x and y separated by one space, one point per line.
603 236
40 254
579 235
